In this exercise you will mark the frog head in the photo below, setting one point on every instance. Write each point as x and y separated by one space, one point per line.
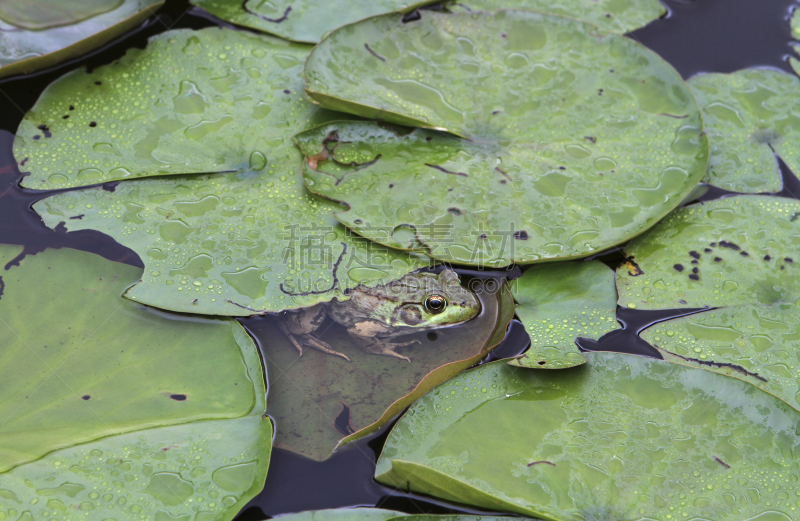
427 300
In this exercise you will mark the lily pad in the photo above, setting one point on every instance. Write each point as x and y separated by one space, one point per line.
214 100
301 20
568 153
377 514
36 34
750 116
695 445
107 404
308 21
731 251
757 344
235 243
559 303
609 15
320 401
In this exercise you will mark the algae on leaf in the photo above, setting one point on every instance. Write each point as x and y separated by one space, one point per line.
621 437
248 241
750 116
736 250
36 34
112 405
560 302
567 153
321 401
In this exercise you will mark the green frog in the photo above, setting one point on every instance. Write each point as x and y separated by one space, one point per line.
374 316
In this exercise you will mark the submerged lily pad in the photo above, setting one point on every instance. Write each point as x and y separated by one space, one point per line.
97 368
568 153
750 116
560 302
320 401
307 21
377 514
621 437
236 243
757 344
35 34
736 250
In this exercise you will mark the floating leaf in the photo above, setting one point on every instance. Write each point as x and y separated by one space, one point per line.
753 343
608 15
36 34
100 368
737 250
560 302
307 21
227 244
622 437
750 116
377 514
568 153
320 400
213 100
301 20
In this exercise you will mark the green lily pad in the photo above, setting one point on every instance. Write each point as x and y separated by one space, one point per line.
36 34
41 14
794 22
568 153
107 404
307 21
206 101
231 244
731 251
621 437
320 401
753 343
560 302
609 15
750 116
377 514
301 20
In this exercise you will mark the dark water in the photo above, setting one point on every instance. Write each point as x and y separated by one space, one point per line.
696 36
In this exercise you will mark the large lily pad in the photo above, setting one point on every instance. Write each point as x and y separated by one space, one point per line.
609 15
301 20
622 437
750 116
36 34
320 401
757 344
227 244
737 250
568 153
377 514
213 100
97 368
559 303
306 21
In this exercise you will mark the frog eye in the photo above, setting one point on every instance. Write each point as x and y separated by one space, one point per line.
435 304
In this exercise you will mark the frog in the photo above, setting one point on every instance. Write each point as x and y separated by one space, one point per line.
374 316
